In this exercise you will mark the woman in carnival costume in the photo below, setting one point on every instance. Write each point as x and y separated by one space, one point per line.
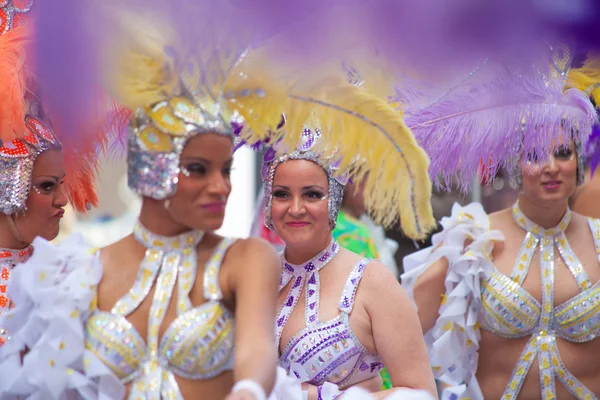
34 188
509 301
345 331
172 310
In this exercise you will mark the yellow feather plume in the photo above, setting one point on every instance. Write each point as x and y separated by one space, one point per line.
370 135
140 72
587 78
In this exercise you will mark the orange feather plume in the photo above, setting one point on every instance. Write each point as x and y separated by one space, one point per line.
13 82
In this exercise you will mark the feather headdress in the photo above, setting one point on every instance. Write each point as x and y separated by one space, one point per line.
494 115
354 122
26 130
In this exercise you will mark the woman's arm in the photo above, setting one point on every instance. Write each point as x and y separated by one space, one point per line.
429 292
255 284
396 331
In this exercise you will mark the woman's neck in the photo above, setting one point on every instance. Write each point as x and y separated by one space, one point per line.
545 214
157 219
299 255
7 239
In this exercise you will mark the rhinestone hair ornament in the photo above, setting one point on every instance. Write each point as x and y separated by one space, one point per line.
307 150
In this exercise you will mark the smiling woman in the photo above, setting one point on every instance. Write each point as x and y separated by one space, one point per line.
347 331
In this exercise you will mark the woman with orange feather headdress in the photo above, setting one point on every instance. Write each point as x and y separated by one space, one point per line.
38 173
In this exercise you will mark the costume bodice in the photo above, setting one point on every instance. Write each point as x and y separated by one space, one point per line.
8 260
326 351
510 311
198 344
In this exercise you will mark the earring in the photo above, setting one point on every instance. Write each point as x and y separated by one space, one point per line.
167 204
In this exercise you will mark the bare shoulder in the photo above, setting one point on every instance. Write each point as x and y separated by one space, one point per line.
254 248
499 219
381 286
377 277
115 255
581 223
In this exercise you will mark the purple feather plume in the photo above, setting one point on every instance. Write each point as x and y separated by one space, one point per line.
492 116
593 149
430 35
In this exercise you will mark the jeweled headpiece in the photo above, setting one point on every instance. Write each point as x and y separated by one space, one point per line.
307 150
354 117
157 136
25 130
16 162
170 102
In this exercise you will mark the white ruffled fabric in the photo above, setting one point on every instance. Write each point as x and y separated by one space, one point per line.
286 387
45 357
356 393
453 343
290 388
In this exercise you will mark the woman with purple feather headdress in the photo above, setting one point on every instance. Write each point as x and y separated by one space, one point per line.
509 302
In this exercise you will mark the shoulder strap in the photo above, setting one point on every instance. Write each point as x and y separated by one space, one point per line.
212 291
347 300
595 228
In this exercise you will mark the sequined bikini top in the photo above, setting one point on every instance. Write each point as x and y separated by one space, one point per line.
510 311
323 351
198 344
8 260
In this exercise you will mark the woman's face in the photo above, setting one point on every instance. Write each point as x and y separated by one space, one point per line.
299 207
46 198
554 179
204 182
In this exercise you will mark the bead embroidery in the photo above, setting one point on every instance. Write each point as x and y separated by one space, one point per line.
324 351
8 260
543 342
300 274
198 344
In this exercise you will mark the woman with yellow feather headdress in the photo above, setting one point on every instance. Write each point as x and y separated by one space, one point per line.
172 310
336 126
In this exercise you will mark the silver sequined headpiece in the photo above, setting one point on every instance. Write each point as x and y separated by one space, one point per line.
306 151
12 13
157 136
17 158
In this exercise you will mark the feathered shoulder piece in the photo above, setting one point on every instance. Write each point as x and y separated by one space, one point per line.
356 122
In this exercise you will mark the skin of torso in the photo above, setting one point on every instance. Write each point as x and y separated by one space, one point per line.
498 356
121 262
333 277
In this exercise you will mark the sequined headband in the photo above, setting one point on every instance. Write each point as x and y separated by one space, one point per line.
157 136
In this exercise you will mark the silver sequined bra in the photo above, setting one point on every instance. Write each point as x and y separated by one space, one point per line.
198 344
510 311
